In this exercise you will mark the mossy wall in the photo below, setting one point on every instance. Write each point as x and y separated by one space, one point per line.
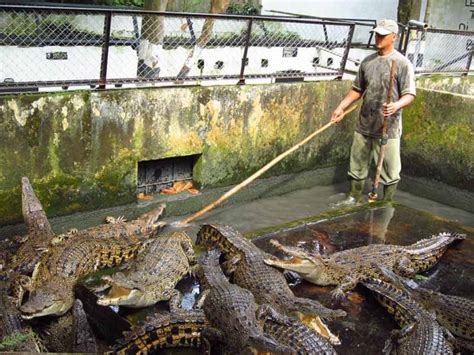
81 149
438 138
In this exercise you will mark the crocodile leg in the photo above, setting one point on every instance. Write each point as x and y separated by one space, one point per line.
187 246
230 265
395 336
201 299
175 300
403 267
339 292
266 311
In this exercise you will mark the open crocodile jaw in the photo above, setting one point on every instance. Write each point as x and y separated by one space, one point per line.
55 309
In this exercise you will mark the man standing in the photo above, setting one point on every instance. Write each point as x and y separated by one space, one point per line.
372 82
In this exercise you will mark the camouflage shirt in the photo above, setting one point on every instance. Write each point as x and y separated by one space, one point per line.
373 79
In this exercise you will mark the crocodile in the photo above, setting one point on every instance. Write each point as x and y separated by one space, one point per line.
420 333
232 312
181 328
40 237
452 312
144 225
154 275
54 277
346 268
246 261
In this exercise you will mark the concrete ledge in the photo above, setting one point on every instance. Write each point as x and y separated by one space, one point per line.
439 192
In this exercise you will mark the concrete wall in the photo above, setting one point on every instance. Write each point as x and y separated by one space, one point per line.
81 149
437 139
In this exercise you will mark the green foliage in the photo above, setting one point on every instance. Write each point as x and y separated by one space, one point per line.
10 342
248 8
138 3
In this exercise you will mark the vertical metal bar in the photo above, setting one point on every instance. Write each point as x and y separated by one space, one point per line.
407 41
37 39
246 49
105 50
401 40
325 30
136 33
370 37
346 51
469 60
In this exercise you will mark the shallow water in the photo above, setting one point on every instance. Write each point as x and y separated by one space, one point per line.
367 325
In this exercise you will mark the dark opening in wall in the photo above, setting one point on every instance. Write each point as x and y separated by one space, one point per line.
264 63
153 175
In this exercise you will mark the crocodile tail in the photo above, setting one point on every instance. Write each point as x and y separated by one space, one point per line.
33 212
404 284
84 340
163 330
308 306
435 244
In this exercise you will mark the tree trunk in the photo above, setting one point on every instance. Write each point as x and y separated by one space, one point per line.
151 40
217 7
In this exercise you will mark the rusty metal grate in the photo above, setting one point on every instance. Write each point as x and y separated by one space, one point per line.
153 175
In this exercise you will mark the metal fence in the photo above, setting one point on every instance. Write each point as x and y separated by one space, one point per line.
44 46
440 51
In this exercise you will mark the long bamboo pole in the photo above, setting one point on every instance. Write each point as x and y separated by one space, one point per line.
260 172
373 193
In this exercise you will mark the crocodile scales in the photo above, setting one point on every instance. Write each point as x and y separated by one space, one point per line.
51 288
232 312
154 274
164 330
346 268
452 312
420 333
268 285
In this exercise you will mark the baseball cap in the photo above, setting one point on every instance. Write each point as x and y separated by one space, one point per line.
385 27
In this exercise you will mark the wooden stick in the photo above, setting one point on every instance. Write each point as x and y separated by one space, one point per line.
261 171
373 194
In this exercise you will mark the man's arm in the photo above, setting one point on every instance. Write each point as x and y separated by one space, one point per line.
390 108
351 97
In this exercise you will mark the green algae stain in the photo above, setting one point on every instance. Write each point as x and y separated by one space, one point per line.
438 131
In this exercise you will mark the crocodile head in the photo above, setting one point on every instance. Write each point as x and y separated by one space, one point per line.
124 296
149 221
53 298
311 267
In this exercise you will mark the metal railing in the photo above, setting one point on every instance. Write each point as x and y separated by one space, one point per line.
434 50
44 46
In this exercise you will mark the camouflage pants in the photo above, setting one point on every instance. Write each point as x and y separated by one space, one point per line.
365 148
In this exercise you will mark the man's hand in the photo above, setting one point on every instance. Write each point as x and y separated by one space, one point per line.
390 108
337 115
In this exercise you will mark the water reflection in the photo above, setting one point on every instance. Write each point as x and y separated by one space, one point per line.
367 325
